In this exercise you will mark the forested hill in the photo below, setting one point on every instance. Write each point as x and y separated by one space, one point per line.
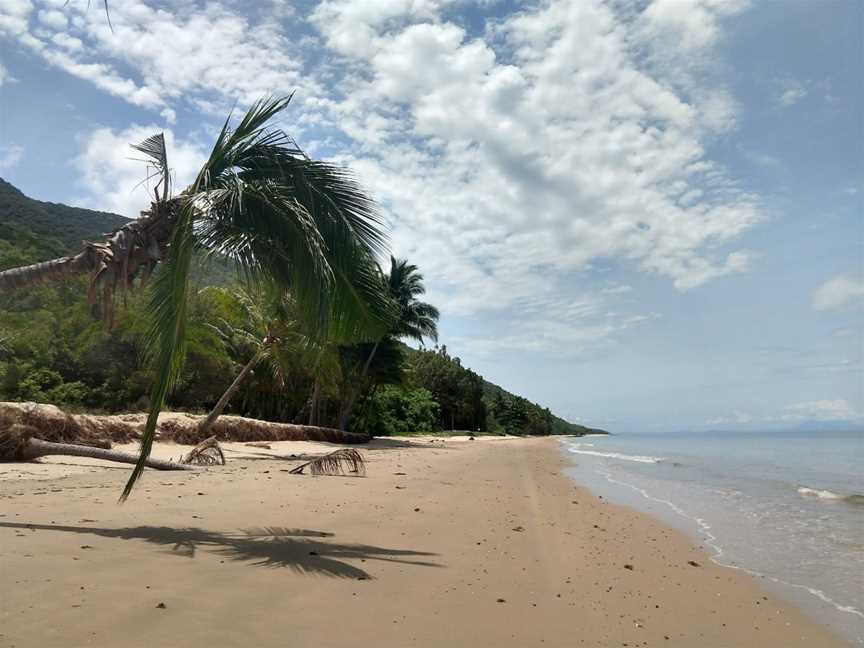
53 351
35 229
505 402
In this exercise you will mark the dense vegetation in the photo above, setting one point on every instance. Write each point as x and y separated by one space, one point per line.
53 349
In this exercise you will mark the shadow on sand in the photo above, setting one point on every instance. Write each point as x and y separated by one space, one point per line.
301 550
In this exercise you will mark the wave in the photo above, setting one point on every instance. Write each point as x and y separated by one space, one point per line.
854 499
617 455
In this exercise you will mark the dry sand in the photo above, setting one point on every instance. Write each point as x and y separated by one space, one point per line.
445 543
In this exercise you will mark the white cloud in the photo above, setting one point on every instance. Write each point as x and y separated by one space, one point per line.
791 91
54 19
154 58
112 172
508 162
513 159
5 77
10 155
576 327
822 410
14 16
737 417
838 293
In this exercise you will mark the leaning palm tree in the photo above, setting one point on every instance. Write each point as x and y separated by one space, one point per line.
268 333
413 319
259 202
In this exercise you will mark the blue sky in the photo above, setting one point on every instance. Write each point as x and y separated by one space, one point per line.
646 215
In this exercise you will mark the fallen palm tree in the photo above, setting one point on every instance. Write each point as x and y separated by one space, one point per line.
18 443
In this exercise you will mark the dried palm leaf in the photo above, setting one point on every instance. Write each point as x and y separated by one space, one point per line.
334 463
206 453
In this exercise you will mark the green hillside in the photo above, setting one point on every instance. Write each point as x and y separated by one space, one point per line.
33 229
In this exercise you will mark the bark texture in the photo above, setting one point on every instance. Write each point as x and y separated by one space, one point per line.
216 412
35 448
131 252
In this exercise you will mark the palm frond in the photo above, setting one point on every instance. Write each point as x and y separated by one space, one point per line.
304 224
334 463
154 148
166 339
206 453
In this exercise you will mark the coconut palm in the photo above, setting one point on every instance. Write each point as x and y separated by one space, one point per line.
269 333
416 320
259 202
413 319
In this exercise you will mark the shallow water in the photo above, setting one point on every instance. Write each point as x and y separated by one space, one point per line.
786 507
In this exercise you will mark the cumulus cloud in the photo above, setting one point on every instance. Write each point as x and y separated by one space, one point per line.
10 155
114 174
822 410
839 293
508 159
154 58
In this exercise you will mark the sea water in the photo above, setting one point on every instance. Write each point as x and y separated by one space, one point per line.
786 507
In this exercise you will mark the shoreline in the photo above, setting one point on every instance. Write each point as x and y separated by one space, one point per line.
726 529
447 541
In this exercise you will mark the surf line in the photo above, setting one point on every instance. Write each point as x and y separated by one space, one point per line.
711 541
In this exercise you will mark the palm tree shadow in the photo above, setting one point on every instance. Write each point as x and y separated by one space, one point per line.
301 550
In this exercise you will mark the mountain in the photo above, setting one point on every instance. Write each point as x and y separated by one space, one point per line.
33 230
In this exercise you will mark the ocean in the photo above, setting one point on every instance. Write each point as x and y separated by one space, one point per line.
786 507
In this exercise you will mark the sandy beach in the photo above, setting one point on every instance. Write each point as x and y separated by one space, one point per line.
445 543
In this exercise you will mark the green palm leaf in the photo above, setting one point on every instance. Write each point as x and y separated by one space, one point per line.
303 225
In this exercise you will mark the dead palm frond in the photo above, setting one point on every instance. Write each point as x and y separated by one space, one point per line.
334 463
206 453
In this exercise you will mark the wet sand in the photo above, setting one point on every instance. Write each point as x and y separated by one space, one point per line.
456 542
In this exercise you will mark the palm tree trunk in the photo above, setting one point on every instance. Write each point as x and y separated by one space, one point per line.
39 448
46 271
216 412
313 406
345 414
113 261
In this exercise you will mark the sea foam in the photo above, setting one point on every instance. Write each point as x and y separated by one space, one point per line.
854 499
578 449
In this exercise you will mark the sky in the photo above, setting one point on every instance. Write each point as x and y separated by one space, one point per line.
646 215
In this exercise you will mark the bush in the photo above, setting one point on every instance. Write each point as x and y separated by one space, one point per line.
396 410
